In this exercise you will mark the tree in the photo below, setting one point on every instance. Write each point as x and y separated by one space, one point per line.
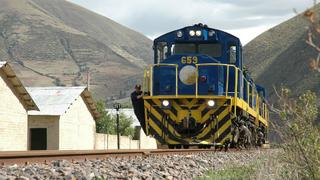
125 124
107 123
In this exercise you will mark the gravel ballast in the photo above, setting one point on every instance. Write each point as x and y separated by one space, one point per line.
149 167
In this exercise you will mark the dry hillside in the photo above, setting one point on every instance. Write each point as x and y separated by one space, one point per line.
281 56
56 42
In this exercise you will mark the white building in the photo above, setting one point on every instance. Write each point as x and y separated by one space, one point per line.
66 120
15 102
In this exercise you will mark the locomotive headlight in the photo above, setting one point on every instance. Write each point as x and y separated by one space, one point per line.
198 33
211 33
179 34
192 33
211 103
165 103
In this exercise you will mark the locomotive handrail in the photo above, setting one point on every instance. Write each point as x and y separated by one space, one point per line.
227 77
226 93
151 76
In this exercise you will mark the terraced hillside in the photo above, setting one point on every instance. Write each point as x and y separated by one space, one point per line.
56 42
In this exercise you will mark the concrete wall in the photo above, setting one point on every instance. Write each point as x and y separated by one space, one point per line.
77 127
106 141
13 118
147 142
51 123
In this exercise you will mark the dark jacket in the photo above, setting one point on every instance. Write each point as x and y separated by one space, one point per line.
138 107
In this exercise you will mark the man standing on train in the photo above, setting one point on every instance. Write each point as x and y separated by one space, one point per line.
138 105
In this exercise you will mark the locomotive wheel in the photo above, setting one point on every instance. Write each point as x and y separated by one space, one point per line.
170 146
186 146
204 147
226 145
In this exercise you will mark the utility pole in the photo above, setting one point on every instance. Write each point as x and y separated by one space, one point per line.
117 106
88 79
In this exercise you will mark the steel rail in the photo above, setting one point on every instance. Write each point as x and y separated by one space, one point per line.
27 157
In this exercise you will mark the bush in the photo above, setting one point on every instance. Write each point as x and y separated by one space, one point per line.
300 133
107 123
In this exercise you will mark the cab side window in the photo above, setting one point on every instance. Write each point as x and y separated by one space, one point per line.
232 54
162 51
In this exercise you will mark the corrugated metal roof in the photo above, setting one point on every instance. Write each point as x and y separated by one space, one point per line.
18 86
55 101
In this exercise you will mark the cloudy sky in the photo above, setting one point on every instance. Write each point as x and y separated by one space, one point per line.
244 18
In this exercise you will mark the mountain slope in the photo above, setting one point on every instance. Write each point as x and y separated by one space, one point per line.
281 57
56 42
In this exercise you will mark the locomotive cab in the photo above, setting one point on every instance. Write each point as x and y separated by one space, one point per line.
199 40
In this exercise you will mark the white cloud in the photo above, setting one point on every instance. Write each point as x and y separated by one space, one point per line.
247 34
244 18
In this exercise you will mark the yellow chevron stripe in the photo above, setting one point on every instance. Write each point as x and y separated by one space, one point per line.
192 103
223 128
168 111
229 136
185 103
157 101
175 105
209 113
159 131
213 123
189 105
202 107
147 121
155 126
159 117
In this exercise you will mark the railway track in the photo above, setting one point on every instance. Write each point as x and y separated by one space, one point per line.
27 157
114 164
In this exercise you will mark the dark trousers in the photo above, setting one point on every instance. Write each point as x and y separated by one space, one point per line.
141 118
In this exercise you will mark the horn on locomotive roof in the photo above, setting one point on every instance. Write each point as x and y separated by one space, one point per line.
201 25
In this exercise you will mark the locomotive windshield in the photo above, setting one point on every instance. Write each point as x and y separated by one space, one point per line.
213 50
184 48
209 49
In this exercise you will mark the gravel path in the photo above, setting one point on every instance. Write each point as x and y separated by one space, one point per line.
153 167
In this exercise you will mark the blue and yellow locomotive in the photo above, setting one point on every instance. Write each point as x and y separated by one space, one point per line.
198 92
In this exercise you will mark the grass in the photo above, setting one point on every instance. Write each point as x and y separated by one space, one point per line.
267 166
234 172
